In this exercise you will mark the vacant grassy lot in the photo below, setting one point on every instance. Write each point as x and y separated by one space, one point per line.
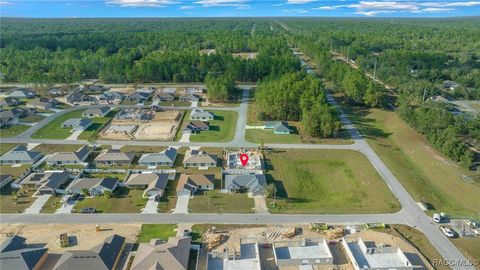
222 128
91 132
175 103
156 231
53 148
216 202
425 173
123 200
8 203
33 118
469 246
52 204
142 149
54 130
417 239
14 171
11 131
5 147
327 181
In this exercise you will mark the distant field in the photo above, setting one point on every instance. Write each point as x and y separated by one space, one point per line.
222 128
54 130
216 202
327 182
11 131
425 173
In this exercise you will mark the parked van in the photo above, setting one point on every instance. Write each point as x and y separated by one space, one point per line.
437 218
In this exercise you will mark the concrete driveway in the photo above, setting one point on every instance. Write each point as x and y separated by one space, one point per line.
66 207
151 207
260 205
37 204
182 205
74 135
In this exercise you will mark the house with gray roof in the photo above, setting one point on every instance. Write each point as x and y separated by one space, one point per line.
101 257
165 158
5 179
22 93
139 97
202 115
111 98
95 186
10 101
42 103
16 254
7 118
189 97
96 112
196 126
279 127
69 158
154 184
197 158
254 184
20 155
158 254
45 183
114 157
164 97
77 124
77 97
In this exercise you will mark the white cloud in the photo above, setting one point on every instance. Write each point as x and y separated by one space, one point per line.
449 4
330 7
5 3
296 2
187 7
141 3
434 10
295 10
223 3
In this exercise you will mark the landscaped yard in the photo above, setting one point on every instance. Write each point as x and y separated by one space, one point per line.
216 202
11 131
32 118
9 205
54 130
327 181
91 132
156 231
469 246
222 128
123 200
426 174
52 204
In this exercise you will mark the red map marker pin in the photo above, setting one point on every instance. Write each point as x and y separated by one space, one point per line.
244 159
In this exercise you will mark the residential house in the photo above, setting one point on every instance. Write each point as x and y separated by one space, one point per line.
15 254
111 98
158 254
165 158
95 186
20 155
92 88
153 184
114 157
279 127
46 182
42 103
10 101
194 90
245 257
77 124
253 183
134 114
102 257
148 90
190 183
295 253
23 112
140 97
7 118
202 115
69 158
96 112
55 92
366 256
169 90
450 85
23 93
196 126
5 179
164 97
77 97
189 97
155 106
197 158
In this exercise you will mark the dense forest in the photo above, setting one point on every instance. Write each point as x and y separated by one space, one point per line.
413 56
140 50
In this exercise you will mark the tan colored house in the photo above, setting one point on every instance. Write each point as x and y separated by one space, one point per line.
114 157
191 183
172 255
197 158
153 184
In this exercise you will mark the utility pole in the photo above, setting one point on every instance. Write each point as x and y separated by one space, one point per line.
331 45
424 92
348 54
375 69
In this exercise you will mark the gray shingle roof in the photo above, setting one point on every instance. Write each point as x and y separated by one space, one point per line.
114 155
88 183
167 155
20 153
15 255
253 182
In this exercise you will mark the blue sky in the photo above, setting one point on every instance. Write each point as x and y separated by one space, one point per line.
236 8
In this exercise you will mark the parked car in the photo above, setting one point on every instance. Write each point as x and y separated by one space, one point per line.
447 231
88 210
437 218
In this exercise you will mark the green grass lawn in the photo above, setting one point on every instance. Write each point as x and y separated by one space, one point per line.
53 148
222 128
156 231
119 176
124 200
327 182
175 103
5 147
9 205
11 131
14 171
216 202
425 173
469 246
142 149
54 130
91 132
52 204
33 118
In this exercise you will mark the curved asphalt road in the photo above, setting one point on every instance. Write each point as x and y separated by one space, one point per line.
410 214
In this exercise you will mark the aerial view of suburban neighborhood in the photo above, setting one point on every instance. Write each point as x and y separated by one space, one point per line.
239 134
